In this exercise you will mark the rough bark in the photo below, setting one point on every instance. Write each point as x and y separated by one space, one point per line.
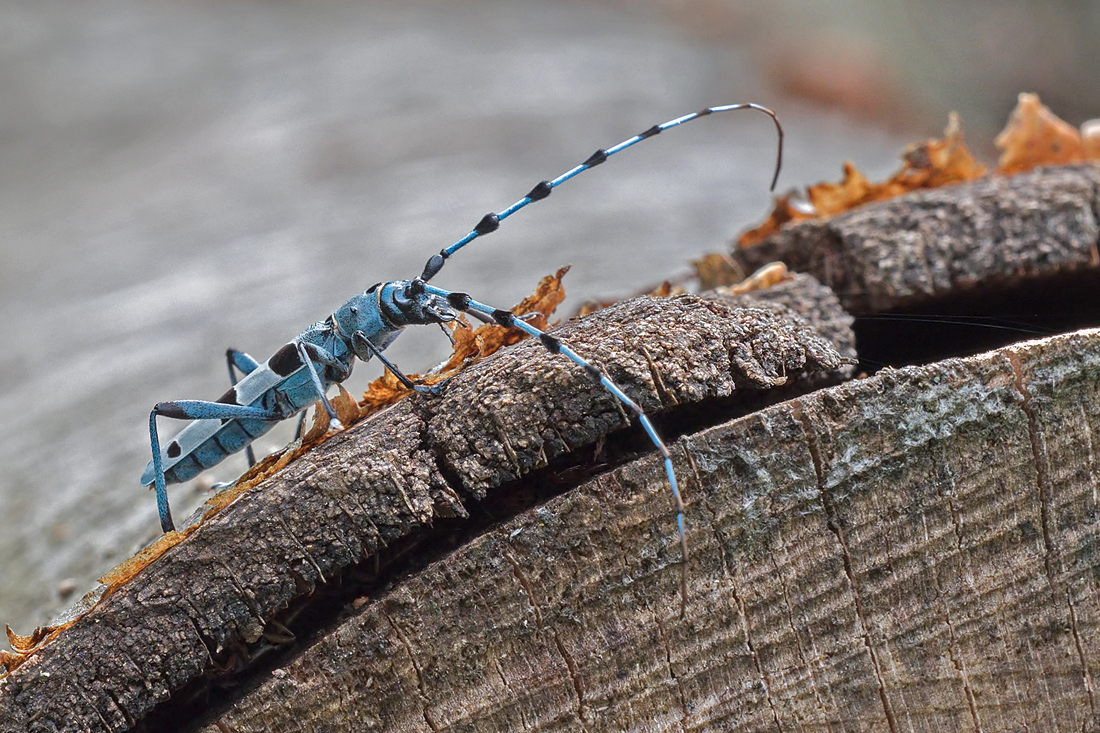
981 236
215 600
916 551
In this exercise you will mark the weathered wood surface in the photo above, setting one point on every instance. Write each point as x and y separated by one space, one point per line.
980 236
389 479
917 551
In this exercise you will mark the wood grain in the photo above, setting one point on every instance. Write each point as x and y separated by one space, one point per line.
916 551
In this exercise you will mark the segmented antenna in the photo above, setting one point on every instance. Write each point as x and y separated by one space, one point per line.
491 222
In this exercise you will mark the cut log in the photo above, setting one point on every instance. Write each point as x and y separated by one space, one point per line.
292 553
916 551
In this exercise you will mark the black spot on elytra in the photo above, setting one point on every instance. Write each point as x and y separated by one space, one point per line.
286 360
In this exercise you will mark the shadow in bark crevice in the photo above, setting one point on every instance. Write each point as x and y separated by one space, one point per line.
979 320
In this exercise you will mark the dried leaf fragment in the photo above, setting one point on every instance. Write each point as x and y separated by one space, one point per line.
1036 136
717 269
24 646
935 163
832 198
10 661
347 410
486 339
384 391
929 164
783 212
770 274
122 573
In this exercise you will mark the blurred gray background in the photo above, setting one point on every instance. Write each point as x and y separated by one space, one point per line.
181 176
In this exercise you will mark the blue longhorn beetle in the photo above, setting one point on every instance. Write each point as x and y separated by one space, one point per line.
300 373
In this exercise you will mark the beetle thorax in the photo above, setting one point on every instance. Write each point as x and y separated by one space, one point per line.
363 314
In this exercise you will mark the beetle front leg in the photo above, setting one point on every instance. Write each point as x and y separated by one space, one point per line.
310 353
363 343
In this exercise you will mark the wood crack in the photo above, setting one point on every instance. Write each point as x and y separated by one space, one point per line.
570 664
672 672
1038 458
956 658
517 573
421 693
305 552
664 397
246 596
761 675
801 650
834 524
1079 644
371 545
103 720
739 606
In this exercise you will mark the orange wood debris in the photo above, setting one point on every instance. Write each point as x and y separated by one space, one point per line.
932 163
716 270
24 646
770 274
472 345
1033 137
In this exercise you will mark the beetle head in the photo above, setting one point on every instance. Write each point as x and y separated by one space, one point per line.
405 303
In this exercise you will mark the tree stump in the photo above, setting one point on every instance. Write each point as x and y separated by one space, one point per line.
915 551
